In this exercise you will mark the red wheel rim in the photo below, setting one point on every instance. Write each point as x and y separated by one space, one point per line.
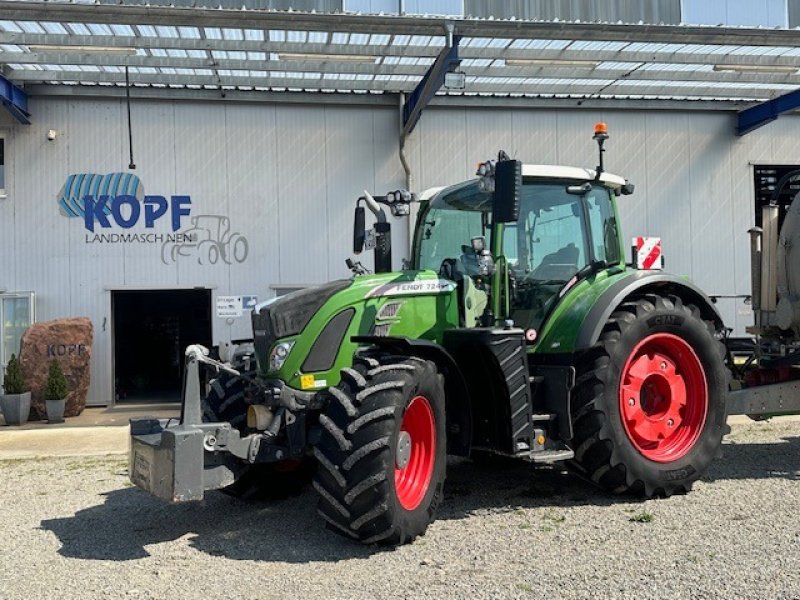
416 453
663 397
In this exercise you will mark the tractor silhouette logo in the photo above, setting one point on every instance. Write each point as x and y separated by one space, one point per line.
211 242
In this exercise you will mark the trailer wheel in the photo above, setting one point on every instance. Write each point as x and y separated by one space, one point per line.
381 458
649 403
227 400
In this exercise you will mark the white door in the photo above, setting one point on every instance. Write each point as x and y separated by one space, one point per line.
17 313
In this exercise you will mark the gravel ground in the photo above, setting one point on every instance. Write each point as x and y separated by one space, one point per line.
74 528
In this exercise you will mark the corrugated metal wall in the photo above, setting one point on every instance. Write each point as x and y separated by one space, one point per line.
287 176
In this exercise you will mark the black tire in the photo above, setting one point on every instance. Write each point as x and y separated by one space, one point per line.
358 450
227 400
605 451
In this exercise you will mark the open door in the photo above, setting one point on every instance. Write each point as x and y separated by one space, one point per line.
17 313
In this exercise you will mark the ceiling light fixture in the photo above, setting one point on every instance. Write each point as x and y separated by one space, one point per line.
46 49
547 62
788 69
352 58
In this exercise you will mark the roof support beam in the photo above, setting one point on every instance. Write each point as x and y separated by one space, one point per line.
385 100
68 61
14 100
730 57
544 87
397 25
759 115
427 88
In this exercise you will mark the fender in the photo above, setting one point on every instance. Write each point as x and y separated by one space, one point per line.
457 409
642 281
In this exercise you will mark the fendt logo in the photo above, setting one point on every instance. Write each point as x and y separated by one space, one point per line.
112 200
99 199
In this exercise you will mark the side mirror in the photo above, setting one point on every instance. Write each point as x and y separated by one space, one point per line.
628 188
507 188
359 229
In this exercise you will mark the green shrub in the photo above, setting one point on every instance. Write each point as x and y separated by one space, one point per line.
56 387
14 382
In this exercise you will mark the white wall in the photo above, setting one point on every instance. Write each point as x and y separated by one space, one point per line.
288 175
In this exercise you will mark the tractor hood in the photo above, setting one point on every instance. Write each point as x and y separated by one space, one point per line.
317 324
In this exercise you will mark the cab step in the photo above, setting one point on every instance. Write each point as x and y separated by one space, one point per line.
551 456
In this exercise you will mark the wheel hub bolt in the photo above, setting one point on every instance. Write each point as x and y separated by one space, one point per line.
403 450
663 366
670 422
631 401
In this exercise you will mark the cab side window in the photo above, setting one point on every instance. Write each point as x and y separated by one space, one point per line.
603 225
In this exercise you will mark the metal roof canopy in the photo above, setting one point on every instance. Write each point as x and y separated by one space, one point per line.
200 48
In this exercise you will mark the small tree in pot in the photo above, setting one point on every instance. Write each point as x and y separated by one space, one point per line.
55 393
16 402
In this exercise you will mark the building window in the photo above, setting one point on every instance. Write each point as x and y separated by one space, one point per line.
409 7
747 13
2 167
631 11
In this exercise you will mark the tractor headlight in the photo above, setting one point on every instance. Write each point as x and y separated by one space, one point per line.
278 355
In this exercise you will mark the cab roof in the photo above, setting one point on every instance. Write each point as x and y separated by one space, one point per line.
576 173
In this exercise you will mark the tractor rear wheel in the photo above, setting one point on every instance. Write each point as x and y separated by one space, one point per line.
227 401
381 458
649 403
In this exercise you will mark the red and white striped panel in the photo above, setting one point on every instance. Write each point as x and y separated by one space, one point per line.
647 253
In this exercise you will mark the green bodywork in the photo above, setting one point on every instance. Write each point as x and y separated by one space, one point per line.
429 306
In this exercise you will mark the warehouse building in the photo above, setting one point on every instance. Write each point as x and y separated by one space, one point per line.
230 145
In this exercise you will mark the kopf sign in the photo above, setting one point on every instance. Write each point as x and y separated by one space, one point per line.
155 207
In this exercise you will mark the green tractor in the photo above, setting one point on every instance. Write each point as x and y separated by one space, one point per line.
518 330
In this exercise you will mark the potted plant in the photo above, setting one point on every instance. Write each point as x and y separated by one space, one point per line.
55 393
16 402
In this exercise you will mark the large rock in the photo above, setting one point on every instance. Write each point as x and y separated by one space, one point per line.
69 341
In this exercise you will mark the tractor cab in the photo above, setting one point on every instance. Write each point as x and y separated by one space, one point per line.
565 229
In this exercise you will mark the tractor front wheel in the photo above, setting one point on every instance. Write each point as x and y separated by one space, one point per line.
381 458
649 402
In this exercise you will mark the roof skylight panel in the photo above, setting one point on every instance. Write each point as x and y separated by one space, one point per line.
31 26
233 34
379 39
296 36
122 30
167 31
254 35
189 33
10 26
78 28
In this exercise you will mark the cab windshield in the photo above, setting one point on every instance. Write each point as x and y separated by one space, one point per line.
557 234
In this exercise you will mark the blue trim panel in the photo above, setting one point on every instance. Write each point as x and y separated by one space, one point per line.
759 115
430 84
14 100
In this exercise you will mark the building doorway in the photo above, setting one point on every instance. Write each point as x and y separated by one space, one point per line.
151 331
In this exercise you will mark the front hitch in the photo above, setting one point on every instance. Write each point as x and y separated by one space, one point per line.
179 460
